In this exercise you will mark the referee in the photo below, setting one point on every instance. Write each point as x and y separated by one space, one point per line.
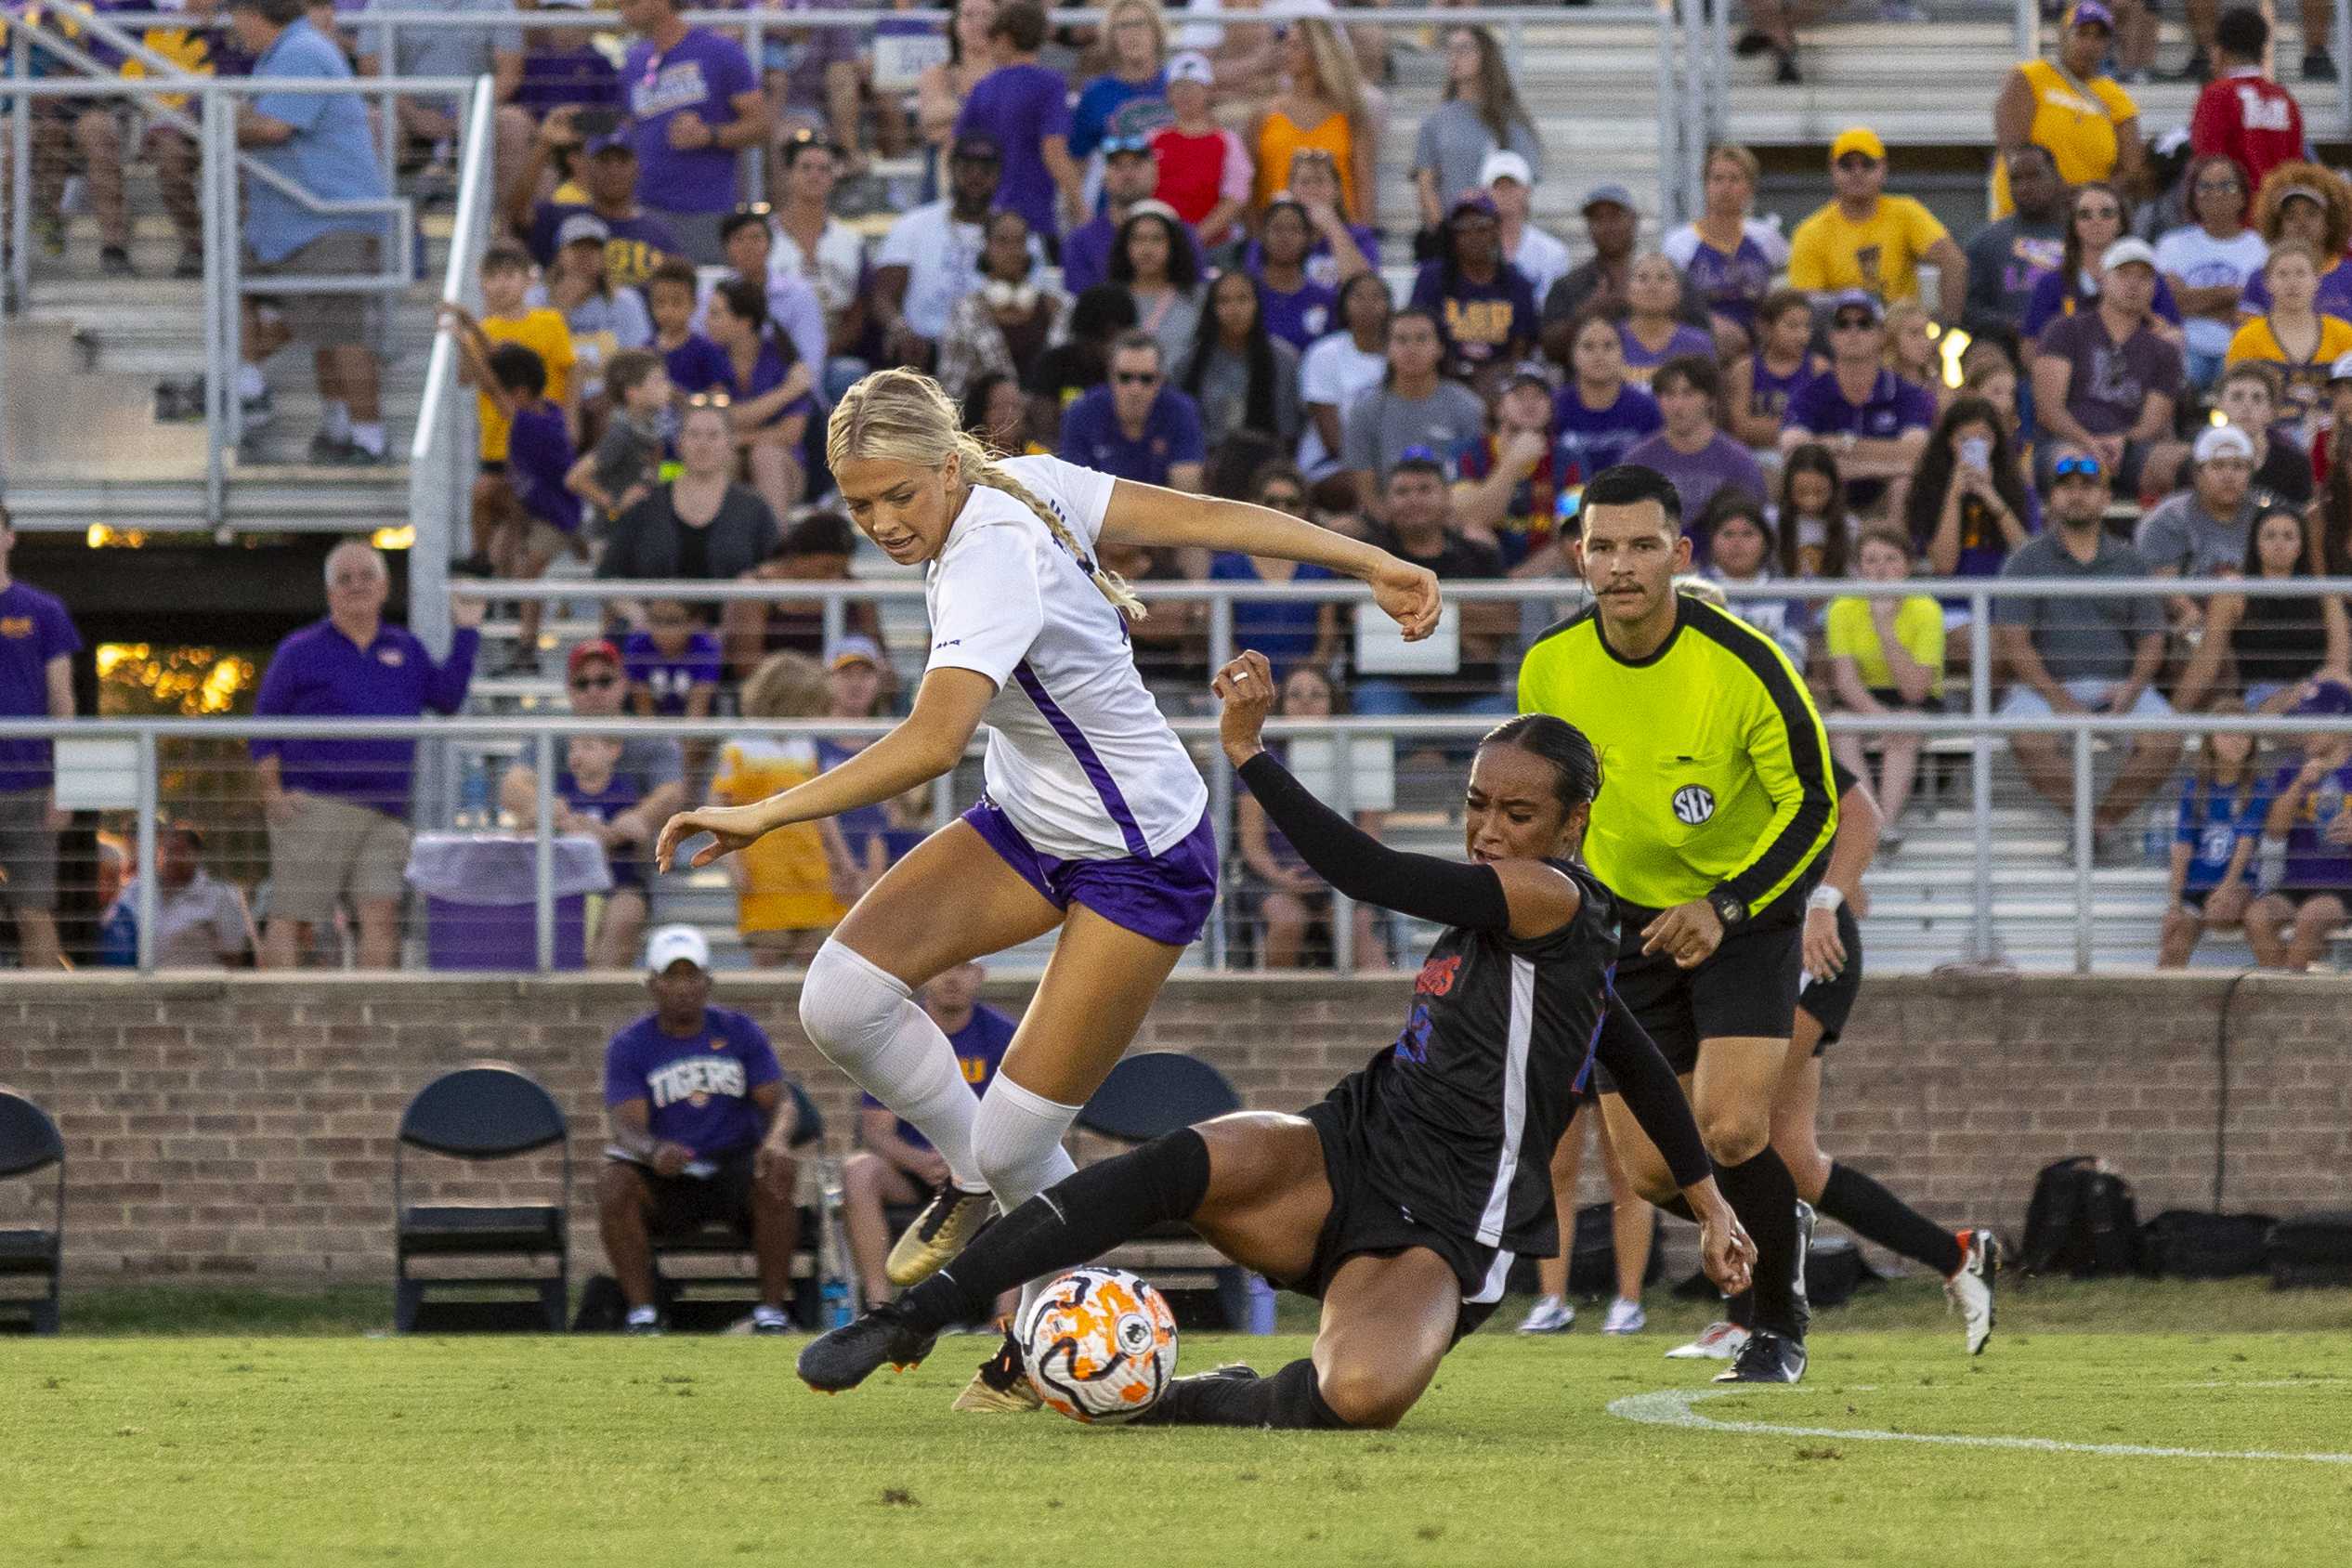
1717 812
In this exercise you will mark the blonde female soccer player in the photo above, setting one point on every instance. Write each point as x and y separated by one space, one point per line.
1094 820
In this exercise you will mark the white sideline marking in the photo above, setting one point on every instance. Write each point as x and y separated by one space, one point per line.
1672 1408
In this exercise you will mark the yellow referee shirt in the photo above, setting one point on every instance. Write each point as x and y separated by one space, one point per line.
1714 766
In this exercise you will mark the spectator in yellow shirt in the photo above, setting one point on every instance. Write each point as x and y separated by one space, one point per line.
1886 656
2294 334
793 885
1865 238
2087 124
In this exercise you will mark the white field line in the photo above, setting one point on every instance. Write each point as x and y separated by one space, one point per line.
1672 1408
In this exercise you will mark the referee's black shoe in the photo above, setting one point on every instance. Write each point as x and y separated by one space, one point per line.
848 1355
1766 1358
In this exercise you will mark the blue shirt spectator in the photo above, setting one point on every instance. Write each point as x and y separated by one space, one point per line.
354 665
318 140
1284 630
1137 427
2214 818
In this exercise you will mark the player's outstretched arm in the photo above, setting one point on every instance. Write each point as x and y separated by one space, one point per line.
1140 513
927 743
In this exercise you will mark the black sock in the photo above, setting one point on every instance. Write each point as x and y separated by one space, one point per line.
1870 1210
1290 1400
1078 1218
1679 1207
1762 1194
1740 1311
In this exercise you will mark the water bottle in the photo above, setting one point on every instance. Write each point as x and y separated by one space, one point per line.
1261 1304
835 1296
473 794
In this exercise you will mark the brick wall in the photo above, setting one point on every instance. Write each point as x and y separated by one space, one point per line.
244 1126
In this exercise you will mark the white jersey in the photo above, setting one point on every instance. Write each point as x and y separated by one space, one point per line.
1079 757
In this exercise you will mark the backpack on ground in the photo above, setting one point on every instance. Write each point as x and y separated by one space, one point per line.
2189 1244
2082 1220
2312 1249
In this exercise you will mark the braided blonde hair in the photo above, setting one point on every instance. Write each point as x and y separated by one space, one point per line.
900 415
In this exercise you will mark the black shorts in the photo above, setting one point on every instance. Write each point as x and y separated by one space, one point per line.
1746 990
1363 1223
683 1205
1828 1001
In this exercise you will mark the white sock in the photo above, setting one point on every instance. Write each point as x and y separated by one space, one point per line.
765 1313
368 439
864 1020
251 384
1017 1139
645 1314
334 418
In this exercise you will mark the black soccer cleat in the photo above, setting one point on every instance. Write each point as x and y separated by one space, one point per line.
1766 1358
1175 1405
847 1356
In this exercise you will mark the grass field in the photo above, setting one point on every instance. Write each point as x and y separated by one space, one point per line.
317 1445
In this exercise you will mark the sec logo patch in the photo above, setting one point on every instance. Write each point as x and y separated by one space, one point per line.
1694 803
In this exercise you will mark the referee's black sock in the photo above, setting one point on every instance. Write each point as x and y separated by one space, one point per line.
1868 1210
1081 1217
1290 1400
1762 1193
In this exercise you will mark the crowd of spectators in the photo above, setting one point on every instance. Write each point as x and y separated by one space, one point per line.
1155 248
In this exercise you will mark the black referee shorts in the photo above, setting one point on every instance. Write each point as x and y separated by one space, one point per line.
1746 990
1828 1001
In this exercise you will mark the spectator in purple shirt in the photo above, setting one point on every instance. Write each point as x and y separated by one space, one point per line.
1874 420
637 244
694 104
1692 452
37 643
338 808
1026 107
563 67
1486 310
1137 427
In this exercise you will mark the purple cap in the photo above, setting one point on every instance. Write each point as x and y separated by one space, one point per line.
612 141
2090 12
1472 201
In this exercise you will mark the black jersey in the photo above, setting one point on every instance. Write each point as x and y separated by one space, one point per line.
1460 1117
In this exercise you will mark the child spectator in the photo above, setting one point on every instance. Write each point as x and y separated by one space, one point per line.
1290 900
672 664
1299 310
508 317
794 884
1760 384
1511 481
627 460
1204 172
692 360
595 798
532 514
1886 656
602 317
2223 805
2299 911
1739 551
1600 415
1911 347
1816 531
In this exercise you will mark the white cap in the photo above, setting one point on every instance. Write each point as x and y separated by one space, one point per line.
2223 440
1503 163
671 943
1192 66
2341 370
2128 248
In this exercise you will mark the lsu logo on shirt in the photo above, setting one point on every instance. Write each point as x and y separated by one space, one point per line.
673 87
695 1079
16 627
1479 324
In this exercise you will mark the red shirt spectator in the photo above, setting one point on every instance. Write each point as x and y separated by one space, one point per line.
1205 173
2242 112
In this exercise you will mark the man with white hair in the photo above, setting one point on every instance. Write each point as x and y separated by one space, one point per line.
338 808
1542 258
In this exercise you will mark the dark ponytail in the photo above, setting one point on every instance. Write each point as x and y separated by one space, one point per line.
1575 765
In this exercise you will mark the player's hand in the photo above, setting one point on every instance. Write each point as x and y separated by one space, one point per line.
1247 687
1825 954
1689 934
1725 1251
689 134
670 1158
1408 594
731 828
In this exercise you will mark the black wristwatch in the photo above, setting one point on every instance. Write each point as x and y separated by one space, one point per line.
1729 906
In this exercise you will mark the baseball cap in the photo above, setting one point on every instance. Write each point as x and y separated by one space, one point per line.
2341 370
612 141
1154 206
671 943
2087 13
1608 191
977 144
1192 66
566 4
583 226
853 650
1858 139
1472 202
1858 299
2128 248
1503 163
2223 440
1113 147
596 648
1533 372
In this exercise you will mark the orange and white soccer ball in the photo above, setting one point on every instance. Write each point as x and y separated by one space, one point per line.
1100 1345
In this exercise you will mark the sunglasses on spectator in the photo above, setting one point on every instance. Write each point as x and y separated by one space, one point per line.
1854 323
2076 468
1281 500
595 683
1136 378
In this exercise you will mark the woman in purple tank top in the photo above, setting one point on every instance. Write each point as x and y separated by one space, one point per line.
1762 382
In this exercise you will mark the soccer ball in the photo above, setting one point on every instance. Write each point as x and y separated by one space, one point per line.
1100 1344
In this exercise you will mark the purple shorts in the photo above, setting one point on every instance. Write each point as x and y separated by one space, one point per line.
1166 897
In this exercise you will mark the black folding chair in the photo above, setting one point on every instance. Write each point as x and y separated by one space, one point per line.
30 1142
487 1111
1148 1095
